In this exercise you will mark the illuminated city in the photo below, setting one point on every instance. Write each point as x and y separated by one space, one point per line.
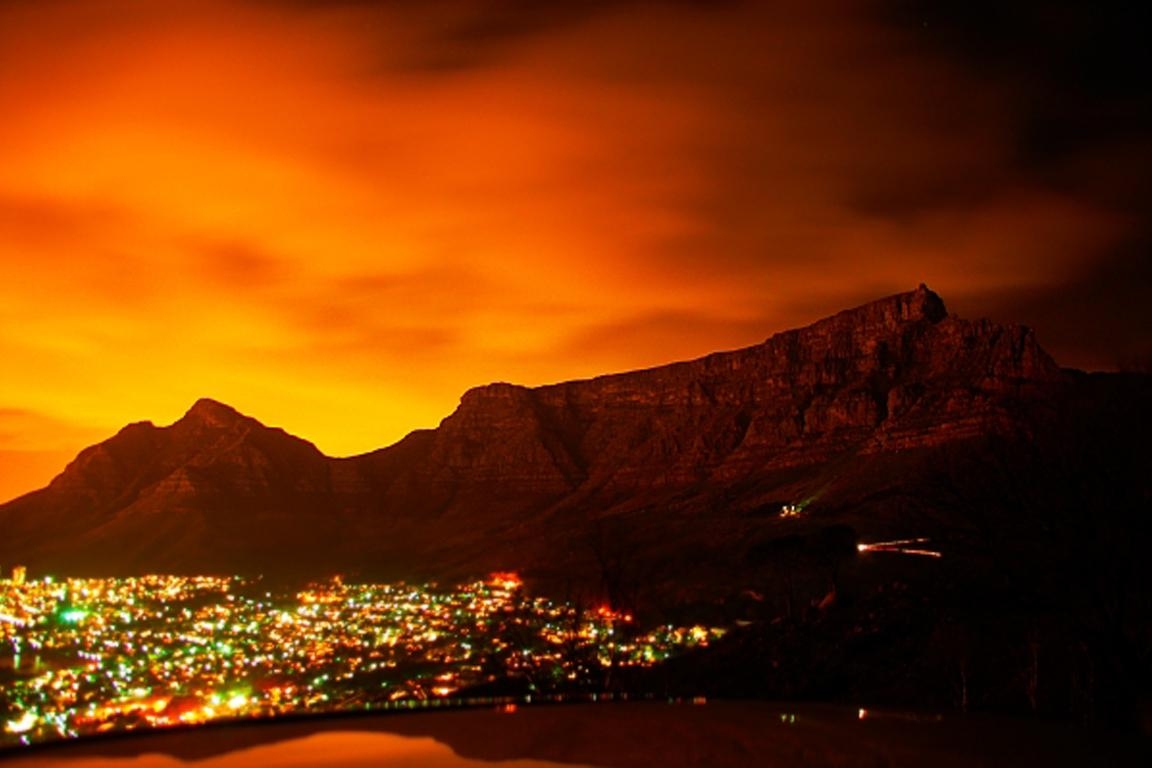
87 656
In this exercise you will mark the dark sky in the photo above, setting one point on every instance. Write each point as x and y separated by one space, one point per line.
338 216
1076 74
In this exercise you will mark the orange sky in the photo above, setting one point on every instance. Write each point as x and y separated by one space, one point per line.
338 217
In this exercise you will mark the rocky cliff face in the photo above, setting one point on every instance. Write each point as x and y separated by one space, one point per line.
897 372
686 463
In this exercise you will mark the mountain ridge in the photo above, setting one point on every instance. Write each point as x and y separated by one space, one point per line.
559 479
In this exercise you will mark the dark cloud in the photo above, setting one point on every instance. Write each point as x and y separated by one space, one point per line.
1076 71
236 265
386 318
1100 319
450 36
53 249
1080 122
30 220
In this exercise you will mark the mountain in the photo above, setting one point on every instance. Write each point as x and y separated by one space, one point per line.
890 418
201 494
736 488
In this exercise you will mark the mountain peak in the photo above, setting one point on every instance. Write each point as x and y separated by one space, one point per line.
212 413
910 306
922 304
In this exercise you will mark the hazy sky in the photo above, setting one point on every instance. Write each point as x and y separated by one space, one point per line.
338 216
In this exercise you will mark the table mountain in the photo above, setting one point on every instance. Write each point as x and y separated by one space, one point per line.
890 418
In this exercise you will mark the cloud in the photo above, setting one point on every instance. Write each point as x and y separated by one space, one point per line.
1111 292
35 447
285 205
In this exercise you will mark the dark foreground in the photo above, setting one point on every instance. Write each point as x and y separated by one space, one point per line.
616 735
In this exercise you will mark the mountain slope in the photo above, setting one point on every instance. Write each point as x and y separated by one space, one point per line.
195 495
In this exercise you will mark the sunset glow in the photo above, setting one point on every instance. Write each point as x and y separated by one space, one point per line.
337 217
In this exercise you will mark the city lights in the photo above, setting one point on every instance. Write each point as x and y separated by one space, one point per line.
87 656
23 725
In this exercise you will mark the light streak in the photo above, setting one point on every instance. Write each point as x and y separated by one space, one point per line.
890 544
922 552
900 546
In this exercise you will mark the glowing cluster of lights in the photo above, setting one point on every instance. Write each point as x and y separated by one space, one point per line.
93 655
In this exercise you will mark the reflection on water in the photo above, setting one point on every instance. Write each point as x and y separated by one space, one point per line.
616 735
25 665
340 749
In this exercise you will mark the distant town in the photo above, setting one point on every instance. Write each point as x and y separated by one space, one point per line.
88 656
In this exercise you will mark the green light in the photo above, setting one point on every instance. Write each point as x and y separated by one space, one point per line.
74 616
